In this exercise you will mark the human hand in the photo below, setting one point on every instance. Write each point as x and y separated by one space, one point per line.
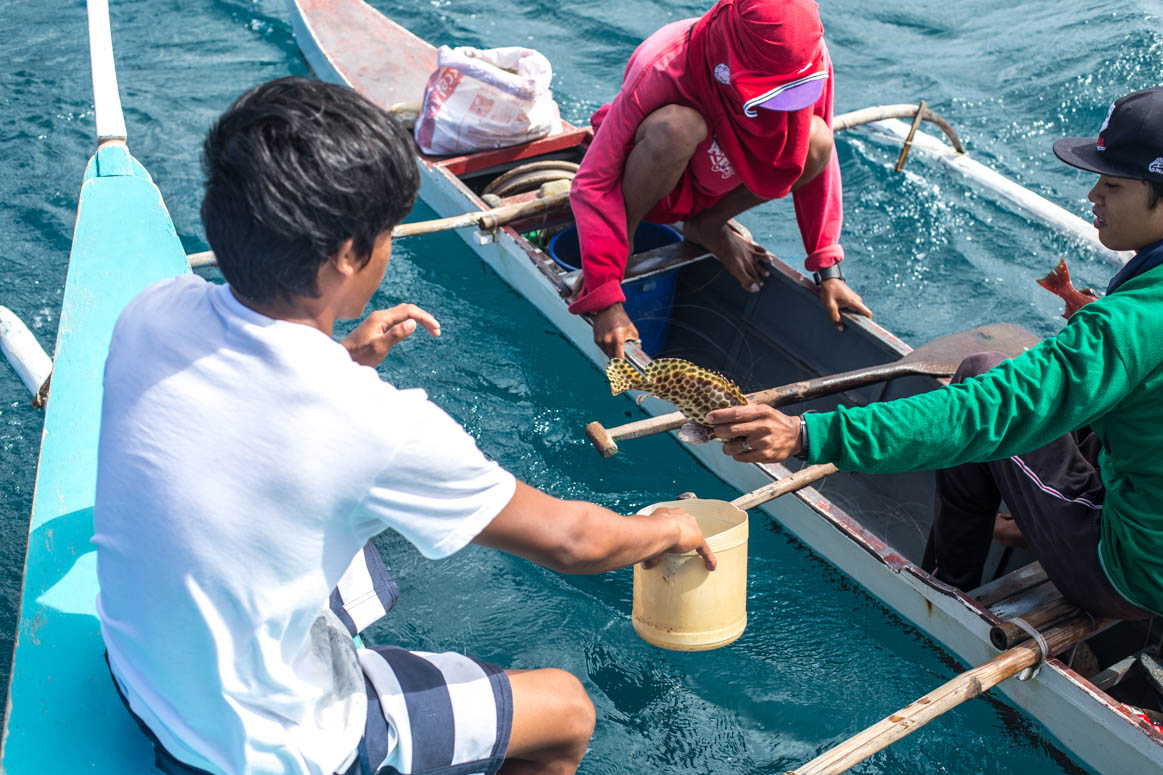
612 329
690 538
756 433
383 329
836 295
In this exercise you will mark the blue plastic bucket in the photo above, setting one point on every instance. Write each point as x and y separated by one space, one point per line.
648 301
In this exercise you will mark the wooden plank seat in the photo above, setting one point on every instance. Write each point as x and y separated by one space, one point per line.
1010 584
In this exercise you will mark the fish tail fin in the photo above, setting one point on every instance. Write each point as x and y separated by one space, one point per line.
1057 280
694 433
624 377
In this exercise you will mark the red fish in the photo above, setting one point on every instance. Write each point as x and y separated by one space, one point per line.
1058 283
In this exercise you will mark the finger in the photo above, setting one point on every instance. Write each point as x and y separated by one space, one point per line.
857 306
400 331
763 261
743 444
742 271
734 414
708 556
426 319
420 315
650 562
754 271
753 430
619 349
834 313
752 455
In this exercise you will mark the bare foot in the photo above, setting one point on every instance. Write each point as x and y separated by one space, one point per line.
745 261
1006 533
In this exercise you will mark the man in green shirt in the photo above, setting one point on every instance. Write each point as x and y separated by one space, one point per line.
1069 434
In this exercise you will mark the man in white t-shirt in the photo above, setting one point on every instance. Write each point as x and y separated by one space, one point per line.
246 458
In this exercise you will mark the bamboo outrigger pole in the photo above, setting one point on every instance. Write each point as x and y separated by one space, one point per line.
964 687
485 220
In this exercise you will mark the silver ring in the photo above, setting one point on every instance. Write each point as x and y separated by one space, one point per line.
745 446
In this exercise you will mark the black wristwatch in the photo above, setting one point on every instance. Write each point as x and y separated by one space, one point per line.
833 272
803 453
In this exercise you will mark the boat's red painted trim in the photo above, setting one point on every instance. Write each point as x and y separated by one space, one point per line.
481 160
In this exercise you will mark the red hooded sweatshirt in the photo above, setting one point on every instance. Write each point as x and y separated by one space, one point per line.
682 64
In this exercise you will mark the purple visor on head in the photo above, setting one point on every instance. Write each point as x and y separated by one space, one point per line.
792 95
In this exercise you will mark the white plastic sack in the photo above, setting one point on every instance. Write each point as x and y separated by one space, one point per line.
479 99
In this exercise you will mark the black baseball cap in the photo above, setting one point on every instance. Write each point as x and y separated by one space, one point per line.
1129 143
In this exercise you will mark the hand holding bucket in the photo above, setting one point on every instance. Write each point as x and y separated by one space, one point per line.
678 603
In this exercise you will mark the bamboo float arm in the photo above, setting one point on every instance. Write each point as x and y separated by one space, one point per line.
964 687
882 112
484 219
796 481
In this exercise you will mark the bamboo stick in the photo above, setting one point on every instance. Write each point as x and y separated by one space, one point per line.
483 219
1008 633
964 687
882 112
796 481
908 144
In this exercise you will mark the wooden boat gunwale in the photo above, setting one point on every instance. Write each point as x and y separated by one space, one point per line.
1062 700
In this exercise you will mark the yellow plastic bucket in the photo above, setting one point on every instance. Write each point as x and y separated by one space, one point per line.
679 604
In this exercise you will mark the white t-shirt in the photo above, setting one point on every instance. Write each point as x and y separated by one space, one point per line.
243 463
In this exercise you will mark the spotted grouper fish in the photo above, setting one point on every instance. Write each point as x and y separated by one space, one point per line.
695 391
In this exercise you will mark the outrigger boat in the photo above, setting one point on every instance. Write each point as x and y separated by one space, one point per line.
752 338
63 714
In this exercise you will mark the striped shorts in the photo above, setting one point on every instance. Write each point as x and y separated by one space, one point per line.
434 714
426 713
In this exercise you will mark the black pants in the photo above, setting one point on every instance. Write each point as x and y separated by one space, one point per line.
1055 494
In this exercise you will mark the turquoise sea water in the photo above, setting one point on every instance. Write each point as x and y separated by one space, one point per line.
821 658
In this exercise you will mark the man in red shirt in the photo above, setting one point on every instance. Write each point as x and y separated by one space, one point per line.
715 116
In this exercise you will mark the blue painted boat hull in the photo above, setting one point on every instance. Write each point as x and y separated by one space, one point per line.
63 712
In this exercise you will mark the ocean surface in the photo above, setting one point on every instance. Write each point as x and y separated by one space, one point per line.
821 658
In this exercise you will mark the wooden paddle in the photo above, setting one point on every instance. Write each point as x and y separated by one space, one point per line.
938 358
964 687
485 220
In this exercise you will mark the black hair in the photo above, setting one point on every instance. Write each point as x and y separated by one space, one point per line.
293 169
1154 193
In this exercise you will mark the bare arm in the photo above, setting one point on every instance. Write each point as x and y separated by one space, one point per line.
581 537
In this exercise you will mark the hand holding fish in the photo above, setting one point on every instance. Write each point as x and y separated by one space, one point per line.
756 433
690 539
383 329
612 329
835 295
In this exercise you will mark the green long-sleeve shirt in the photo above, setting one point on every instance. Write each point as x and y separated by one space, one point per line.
1104 369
